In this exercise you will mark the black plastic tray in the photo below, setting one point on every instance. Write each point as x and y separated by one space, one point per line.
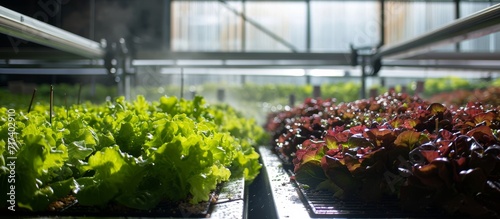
287 201
294 201
228 201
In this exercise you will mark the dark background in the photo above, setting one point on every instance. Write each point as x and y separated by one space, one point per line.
141 23
138 21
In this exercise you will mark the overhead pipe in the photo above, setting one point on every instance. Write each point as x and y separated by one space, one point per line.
479 24
21 26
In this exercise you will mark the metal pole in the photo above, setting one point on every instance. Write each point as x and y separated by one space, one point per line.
363 77
243 27
382 22
243 79
126 84
167 31
481 23
26 28
182 83
457 16
308 26
308 76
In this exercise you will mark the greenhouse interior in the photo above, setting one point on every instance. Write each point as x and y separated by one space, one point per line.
250 108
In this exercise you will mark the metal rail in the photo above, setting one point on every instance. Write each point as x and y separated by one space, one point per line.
21 26
481 23
53 71
479 65
245 60
343 57
456 56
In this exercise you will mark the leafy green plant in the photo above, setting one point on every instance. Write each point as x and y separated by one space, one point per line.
135 153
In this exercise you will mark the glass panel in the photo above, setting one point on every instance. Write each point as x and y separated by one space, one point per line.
337 24
287 20
205 26
488 43
405 20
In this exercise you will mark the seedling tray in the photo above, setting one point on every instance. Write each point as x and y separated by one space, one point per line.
293 200
228 201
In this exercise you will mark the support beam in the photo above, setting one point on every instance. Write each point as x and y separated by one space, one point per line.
479 24
455 56
167 31
341 57
21 26
457 16
243 27
382 23
362 92
308 25
259 27
243 59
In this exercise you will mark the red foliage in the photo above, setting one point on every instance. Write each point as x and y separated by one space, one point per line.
428 145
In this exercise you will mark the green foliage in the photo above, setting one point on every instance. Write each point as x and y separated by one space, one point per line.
136 153
253 100
435 85
496 82
342 92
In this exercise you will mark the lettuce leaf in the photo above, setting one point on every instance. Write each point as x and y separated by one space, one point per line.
135 153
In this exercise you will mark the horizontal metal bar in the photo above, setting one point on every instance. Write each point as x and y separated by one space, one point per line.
481 23
440 65
232 72
21 26
456 56
339 57
323 0
470 67
262 66
54 71
285 60
444 62
40 63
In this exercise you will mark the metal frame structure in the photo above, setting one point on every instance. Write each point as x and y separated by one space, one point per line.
244 60
27 28
409 53
479 24
115 58
419 48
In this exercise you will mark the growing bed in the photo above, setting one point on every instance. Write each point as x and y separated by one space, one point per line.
167 158
389 156
227 201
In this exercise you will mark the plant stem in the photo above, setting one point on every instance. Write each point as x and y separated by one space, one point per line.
79 94
66 105
32 98
51 103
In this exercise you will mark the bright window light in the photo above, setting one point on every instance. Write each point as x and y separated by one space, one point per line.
327 72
